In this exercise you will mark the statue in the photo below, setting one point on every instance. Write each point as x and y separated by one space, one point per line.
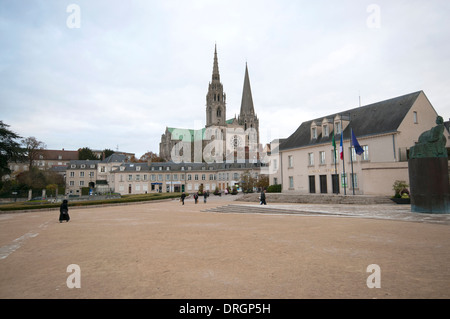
431 143
428 172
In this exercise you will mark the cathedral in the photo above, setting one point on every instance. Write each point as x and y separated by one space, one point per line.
222 139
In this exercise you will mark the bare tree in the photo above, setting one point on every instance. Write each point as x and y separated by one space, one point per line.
32 148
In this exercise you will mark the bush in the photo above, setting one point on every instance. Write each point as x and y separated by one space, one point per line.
274 188
400 188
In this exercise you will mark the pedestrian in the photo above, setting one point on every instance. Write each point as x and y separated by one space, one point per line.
183 196
263 197
205 195
196 197
64 212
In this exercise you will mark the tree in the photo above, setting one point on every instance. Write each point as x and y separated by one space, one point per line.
247 181
10 150
263 181
86 153
108 152
153 157
32 148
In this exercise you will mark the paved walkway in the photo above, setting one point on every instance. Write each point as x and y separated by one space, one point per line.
165 250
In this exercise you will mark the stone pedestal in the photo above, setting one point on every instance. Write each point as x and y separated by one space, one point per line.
429 185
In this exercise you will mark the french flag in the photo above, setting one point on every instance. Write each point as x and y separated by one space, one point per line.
341 147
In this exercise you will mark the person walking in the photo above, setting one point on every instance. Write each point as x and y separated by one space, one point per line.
64 212
196 197
263 197
205 195
183 196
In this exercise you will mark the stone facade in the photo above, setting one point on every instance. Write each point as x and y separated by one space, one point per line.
386 130
142 178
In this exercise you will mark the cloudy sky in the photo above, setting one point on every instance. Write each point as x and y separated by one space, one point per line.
114 74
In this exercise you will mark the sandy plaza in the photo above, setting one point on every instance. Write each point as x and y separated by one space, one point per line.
165 250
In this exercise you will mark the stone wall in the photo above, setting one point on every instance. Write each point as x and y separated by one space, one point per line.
318 199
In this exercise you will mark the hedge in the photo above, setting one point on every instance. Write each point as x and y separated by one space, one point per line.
124 199
274 188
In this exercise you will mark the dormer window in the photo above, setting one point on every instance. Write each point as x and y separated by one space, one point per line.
325 130
337 128
138 168
315 130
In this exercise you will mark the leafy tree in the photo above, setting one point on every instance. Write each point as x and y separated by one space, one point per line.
247 181
10 150
263 181
108 152
32 148
86 153
151 156
33 178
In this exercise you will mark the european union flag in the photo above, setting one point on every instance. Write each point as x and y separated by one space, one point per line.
358 149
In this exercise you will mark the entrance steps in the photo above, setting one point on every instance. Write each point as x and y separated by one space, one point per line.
246 209
318 199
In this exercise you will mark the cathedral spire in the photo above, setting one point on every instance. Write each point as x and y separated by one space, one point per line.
215 75
247 100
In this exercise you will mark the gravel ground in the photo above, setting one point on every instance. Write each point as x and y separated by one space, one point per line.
163 250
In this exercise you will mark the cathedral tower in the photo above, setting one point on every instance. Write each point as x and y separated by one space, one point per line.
216 98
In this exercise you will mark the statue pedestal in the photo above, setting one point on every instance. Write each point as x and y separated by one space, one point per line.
429 185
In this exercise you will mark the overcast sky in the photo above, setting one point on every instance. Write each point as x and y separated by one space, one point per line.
114 74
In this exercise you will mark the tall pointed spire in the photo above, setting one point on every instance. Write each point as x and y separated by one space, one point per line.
215 75
247 117
247 100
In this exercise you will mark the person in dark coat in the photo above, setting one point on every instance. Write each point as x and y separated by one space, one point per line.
183 196
263 197
196 197
64 212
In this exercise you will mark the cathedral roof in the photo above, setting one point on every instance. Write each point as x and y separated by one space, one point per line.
377 118
194 135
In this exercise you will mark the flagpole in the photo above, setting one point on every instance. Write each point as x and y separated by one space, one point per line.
335 161
351 152
351 161
343 158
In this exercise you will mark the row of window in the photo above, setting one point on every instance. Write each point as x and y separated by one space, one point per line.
334 157
346 181
82 174
176 177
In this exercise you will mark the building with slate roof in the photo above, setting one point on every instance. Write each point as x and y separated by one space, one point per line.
236 134
81 174
142 178
385 130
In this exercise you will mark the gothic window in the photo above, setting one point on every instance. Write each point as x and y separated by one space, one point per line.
219 112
